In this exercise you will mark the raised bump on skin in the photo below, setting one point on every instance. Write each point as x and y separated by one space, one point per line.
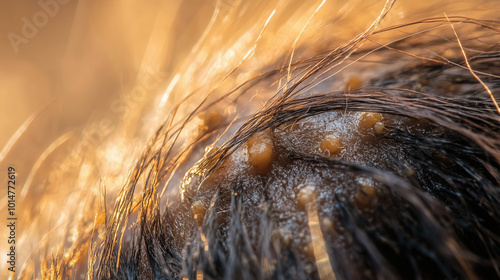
285 236
260 150
354 83
368 119
309 249
305 195
210 120
366 195
330 145
198 208
378 128
328 224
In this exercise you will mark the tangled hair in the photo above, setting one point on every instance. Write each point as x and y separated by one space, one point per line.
434 165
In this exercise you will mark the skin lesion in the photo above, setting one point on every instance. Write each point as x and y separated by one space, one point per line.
390 175
331 144
377 170
260 150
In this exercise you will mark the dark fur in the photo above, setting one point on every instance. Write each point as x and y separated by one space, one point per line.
442 223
